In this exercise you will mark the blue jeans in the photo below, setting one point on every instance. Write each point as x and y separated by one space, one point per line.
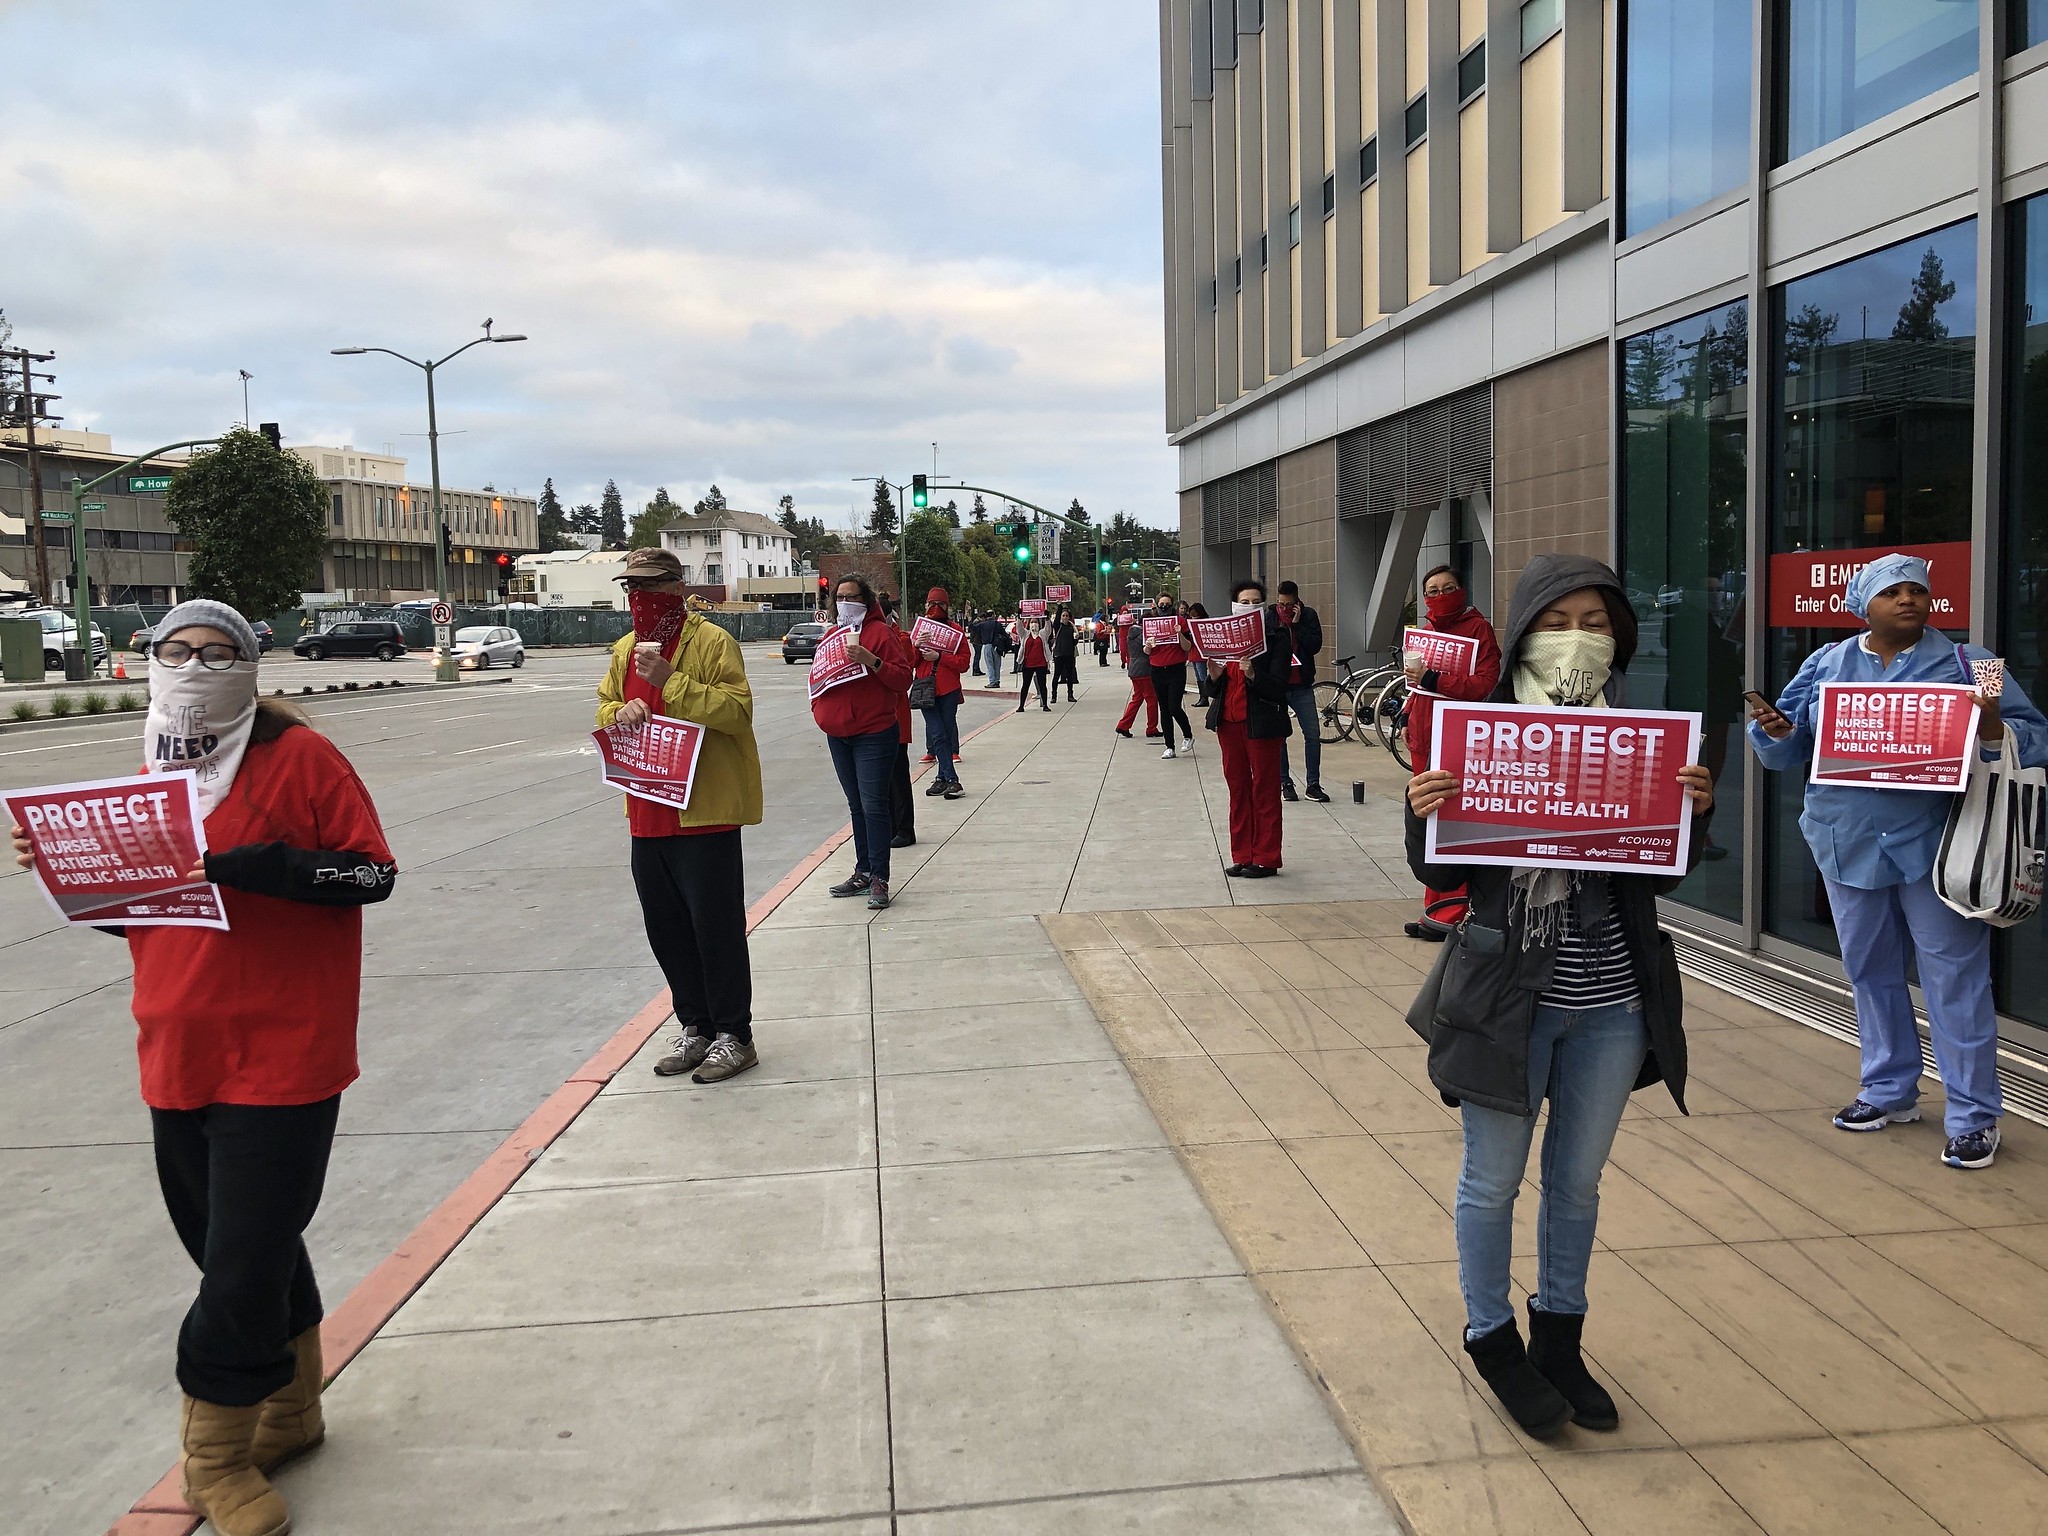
942 735
1301 699
992 665
1585 1062
1954 951
865 765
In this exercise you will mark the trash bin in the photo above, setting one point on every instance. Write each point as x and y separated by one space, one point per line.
21 651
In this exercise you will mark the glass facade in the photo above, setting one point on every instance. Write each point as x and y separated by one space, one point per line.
1873 364
2023 635
1684 539
2029 24
1849 62
1685 106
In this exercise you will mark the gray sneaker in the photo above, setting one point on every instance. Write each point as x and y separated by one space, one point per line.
726 1058
878 895
685 1054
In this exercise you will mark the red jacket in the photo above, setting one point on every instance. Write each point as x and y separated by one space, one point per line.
947 669
1034 652
881 700
1484 679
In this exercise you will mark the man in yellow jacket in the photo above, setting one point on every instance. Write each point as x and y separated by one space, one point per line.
686 863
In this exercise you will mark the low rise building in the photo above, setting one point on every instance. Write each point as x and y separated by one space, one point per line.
726 548
568 578
131 554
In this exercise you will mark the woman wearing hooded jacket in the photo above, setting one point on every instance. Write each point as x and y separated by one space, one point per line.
1248 713
246 1038
943 669
1559 985
859 722
1445 608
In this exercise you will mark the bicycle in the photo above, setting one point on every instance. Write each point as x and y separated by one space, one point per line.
1337 698
1385 712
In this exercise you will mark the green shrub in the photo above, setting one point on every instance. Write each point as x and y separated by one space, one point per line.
126 702
61 705
96 704
24 709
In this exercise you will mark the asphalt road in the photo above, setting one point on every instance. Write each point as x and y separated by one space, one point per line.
510 949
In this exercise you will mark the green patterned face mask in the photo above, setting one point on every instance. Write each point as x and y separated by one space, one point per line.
1564 666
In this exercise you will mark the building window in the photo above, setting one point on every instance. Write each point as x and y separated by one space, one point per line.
1237 271
1685 116
2021 956
1368 161
1472 73
337 509
1329 195
1685 522
1294 225
2029 24
1416 121
1849 62
1541 21
1873 365
1262 253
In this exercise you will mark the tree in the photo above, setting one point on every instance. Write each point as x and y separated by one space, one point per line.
257 522
1076 511
1809 331
554 522
583 518
1932 288
980 578
611 518
882 520
952 511
934 559
979 511
787 515
654 517
711 501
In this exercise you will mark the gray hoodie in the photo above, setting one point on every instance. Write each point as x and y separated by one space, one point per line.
1544 580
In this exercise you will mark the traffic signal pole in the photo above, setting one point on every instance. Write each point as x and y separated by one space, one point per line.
81 584
1059 517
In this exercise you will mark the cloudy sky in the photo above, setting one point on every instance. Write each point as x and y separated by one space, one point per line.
774 245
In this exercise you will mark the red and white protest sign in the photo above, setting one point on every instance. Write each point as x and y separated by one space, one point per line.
118 851
1894 735
1807 586
1059 593
935 635
1451 657
830 665
656 761
1030 607
1123 620
1233 637
1161 630
1568 788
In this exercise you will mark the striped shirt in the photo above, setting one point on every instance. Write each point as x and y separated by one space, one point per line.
1584 978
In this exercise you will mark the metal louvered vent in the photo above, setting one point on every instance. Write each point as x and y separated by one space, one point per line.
1241 506
2022 1076
1434 453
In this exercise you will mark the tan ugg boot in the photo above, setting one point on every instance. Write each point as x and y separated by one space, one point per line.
291 1420
220 1480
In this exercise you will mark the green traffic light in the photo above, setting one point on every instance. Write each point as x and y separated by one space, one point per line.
1022 552
919 496
1106 567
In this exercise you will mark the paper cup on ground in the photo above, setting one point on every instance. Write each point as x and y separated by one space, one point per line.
1990 675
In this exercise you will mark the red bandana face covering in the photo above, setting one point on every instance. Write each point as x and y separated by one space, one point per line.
658 616
1446 605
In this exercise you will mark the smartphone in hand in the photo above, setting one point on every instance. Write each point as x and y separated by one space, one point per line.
1771 711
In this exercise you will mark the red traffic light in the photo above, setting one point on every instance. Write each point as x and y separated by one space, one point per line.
503 559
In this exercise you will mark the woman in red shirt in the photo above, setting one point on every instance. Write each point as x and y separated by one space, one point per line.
858 717
942 669
1033 661
1447 609
247 1037
1248 713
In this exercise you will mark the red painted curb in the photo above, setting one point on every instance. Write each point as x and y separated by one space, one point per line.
378 1295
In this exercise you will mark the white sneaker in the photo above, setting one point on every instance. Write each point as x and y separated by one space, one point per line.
1187 748
1167 754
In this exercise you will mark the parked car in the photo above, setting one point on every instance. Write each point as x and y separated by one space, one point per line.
60 630
801 643
365 637
482 645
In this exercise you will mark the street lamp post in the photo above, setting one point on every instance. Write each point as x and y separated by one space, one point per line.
444 663
902 537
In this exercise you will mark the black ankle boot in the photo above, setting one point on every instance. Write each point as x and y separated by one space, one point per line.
1530 1400
1554 1351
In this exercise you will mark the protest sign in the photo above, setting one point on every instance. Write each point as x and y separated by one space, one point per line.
1233 637
1452 657
1894 735
830 665
656 761
940 637
1567 788
1030 607
118 851
1059 593
1161 630
1123 620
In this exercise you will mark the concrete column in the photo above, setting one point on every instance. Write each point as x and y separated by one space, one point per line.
1202 235
1280 269
1393 101
1988 446
1225 241
1251 198
1503 125
1585 79
1308 193
1177 276
1444 134
1345 66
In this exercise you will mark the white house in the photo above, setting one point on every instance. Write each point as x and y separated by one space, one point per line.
723 549
569 578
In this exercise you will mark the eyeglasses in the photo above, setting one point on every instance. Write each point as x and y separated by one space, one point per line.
644 583
215 658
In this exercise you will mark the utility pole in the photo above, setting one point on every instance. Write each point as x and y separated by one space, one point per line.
31 407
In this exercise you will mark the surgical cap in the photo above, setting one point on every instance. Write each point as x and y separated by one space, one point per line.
1885 571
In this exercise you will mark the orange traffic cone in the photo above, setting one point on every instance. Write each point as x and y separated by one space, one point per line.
120 670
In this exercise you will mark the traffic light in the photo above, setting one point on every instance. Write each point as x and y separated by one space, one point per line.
1107 566
272 435
1023 554
447 545
920 496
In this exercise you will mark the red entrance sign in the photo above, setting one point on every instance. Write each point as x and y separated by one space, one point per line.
1451 657
1894 735
118 851
656 761
1233 637
1806 588
1059 594
944 638
1568 788
830 665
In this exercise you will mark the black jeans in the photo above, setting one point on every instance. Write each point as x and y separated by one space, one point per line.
902 807
693 899
1063 672
1171 684
241 1183
1024 692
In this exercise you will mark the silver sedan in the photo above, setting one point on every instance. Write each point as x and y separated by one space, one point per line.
481 646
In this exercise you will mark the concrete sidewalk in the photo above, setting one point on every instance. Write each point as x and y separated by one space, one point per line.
932 1268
